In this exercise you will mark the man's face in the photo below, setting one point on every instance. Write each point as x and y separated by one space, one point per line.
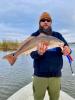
45 23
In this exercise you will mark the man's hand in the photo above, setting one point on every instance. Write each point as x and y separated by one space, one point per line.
42 47
66 50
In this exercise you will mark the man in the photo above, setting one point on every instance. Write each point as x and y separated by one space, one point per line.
47 62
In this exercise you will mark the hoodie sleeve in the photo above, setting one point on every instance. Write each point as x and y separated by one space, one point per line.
63 39
65 42
35 55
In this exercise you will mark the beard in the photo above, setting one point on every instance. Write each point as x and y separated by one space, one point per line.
47 31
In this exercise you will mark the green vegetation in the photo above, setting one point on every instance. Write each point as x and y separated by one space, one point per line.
8 45
12 45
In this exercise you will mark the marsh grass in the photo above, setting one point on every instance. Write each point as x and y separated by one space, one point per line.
9 45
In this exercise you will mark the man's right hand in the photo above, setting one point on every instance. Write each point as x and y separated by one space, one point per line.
42 47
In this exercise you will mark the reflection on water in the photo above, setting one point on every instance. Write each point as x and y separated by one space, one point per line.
12 78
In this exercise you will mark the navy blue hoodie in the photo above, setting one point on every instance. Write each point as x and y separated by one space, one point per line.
50 63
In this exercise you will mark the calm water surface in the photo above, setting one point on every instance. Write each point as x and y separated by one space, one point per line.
12 78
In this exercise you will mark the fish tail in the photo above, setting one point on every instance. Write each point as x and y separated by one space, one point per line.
11 58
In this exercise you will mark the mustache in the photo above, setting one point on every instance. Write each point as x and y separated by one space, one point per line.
45 24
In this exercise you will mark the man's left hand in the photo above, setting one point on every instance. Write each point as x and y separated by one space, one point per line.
66 50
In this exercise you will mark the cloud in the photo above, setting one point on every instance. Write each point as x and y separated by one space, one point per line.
13 37
68 35
4 28
22 16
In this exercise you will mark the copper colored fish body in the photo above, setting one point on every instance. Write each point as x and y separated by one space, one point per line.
30 44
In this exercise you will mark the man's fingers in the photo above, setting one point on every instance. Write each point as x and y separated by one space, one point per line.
42 47
66 50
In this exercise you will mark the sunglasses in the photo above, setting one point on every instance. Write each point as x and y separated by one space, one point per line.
43 20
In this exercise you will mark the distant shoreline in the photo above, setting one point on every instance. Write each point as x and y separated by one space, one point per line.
13 45
9 45
72 43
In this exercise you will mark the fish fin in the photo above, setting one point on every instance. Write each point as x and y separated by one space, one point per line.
11 58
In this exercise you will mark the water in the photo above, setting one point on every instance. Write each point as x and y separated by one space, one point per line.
12 78
68 81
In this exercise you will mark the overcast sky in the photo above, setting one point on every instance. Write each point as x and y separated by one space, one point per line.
19 18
